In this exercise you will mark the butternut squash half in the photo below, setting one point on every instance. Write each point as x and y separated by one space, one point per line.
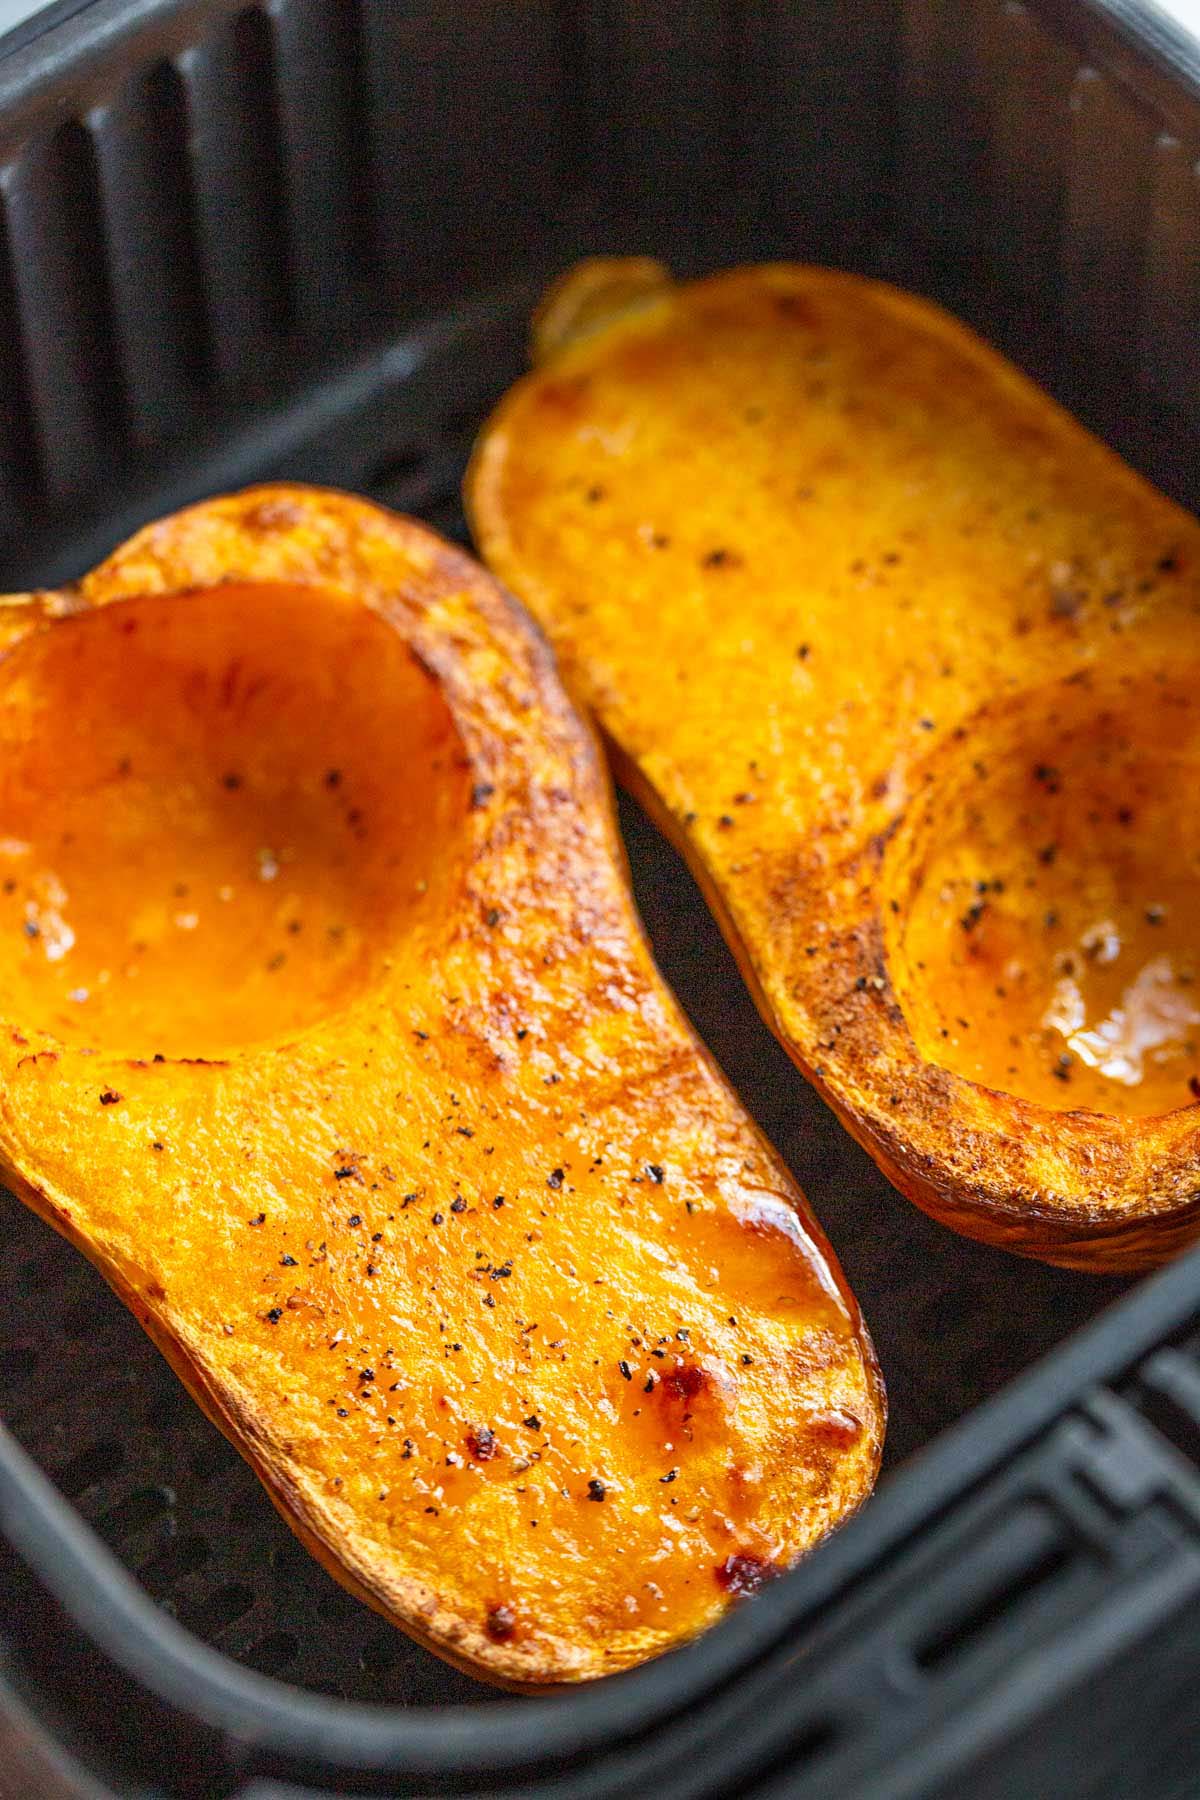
330 1035
908 664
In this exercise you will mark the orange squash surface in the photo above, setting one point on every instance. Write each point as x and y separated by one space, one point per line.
907 664
329 1033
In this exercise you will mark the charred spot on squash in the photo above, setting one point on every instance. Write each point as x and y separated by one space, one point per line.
743 1574
482 1443
684 1382
836 1428
178 875
272 515
500 1622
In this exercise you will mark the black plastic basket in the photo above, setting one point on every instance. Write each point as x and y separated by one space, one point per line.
302 238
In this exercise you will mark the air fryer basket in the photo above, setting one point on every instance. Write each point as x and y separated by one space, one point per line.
302 238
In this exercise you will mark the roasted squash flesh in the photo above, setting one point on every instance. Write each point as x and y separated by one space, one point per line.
330 1035
904 660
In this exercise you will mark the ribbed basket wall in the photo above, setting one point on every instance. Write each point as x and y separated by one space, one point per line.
273 183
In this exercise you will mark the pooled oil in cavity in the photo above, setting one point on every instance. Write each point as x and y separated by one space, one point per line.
1128 1030
1080 1000
195 905
1044 916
